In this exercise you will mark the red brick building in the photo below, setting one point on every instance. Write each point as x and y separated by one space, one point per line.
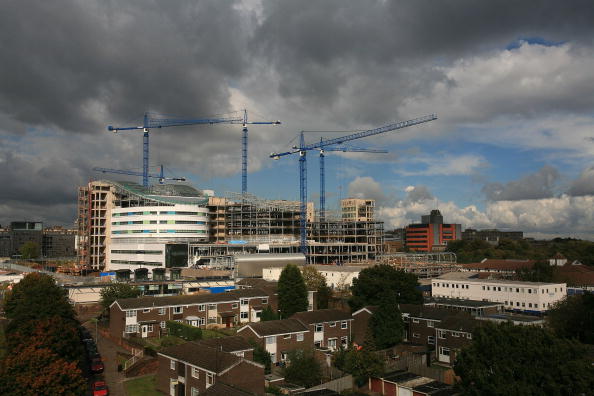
147 316
331 328
432 234
191 369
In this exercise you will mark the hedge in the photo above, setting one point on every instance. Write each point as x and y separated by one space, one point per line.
181 330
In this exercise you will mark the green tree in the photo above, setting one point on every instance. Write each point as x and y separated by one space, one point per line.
34 369
314 280
386 325
268 314
37 296
573 317
523 360
360 363
372 282
541 271
292 292
262 356
29 250
303 369
117 291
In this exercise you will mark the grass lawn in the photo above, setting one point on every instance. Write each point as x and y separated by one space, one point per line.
211 333
164 341
144 386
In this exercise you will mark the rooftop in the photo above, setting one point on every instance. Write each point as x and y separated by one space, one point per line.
321 316
424 312
226 344
461 321
276 327
165 193
457 302
221 389
209 359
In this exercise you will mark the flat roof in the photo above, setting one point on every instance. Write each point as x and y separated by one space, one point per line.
513 317
458 302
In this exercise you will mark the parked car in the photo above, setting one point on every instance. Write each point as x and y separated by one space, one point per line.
100 388
97 365
85 334
91 349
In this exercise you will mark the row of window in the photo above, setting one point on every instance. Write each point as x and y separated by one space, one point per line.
320 326
272 339
145 213
159 232
140 263
209 377
452 285
530 305
442 333
498 288
119 223
136 252
201 307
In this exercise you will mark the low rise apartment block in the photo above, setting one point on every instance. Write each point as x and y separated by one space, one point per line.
331 328
453 333
147 316
193 369
530 297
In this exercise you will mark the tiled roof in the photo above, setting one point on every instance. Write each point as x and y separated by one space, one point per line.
462 321
322 315
221 389
276 327
576 275
228 344
149 302
422 311
209 359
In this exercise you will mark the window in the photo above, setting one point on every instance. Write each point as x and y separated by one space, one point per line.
441 334
430 323
131 328
195 392
201 321
195 372
469 336
299 337
344 325
444 351
416 335
483 287
529 305
172 364
201 307
178 310
455 334
212 306
131 314
163 324
523 304
332 343
415 320
535 305
209 379
517 290
150 328
530 291
431 340
517 304
244 301
332 324
162 311
243 315
264 301
270 340
146 310
234 306
344 341
319 327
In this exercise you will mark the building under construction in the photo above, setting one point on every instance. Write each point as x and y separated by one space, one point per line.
122 225
424 265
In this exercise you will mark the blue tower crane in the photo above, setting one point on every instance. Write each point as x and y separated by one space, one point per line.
304 148
161 177
344 149
153 120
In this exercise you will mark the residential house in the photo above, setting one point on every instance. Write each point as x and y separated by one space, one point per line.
403 383
420 322
278 337
147 316
360 323
453 333
233 344
191 369
331 328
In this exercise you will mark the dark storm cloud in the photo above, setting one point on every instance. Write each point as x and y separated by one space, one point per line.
534 186
321 48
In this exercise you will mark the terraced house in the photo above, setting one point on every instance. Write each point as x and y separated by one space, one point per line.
147 316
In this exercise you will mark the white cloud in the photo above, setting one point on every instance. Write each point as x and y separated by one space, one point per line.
446 165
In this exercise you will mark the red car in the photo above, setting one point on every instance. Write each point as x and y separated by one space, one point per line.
97 365
100 389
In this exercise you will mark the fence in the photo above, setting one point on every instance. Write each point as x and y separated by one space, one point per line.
337 385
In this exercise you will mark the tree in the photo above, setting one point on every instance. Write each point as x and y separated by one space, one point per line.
523 360
573 317
372 282
262 356
37 296
303 369
117 291
386 325
29 250
361 363
268 314
35 370
541 271
314 280
292 292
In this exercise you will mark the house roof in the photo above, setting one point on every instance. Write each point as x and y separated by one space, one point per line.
321 315
226 344
399 376
276 327
221 389
258 283
209 359
462 321
425 312
576 274
369 309
149 302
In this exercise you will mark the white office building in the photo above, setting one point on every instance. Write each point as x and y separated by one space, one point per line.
534 297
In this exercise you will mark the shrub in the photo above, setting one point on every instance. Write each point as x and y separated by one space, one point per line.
181 330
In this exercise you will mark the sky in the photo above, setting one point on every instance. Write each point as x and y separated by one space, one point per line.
511 82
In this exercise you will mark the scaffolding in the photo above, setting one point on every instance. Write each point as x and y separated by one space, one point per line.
424 265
